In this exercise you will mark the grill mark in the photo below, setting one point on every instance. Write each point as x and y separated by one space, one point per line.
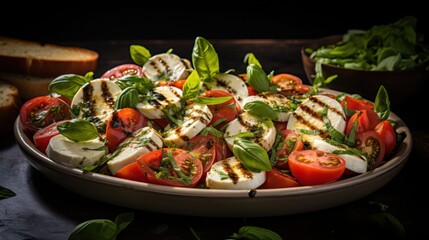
230 171
163 63
176 93
308 124
107 95
246 173
87 93
322 104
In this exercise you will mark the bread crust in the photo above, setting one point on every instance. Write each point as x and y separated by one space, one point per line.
10 104
44 60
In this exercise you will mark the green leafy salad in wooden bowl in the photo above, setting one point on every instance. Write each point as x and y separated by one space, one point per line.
360 61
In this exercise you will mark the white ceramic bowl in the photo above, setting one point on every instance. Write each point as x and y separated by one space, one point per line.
216 203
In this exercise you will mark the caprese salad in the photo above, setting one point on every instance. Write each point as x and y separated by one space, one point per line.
171 121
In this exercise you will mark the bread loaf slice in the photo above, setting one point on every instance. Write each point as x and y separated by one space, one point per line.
10 103
44 60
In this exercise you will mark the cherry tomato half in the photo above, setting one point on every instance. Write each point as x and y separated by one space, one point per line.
356 104
41 111
387 134
290 141
121 124
314 167
132 171
159 169
225 112
278 179
370 142
367 120
287 82
42 137
123 70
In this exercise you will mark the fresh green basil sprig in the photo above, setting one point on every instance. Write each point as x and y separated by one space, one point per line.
261 109
78 130
250 58
101 229
258 79
382 103
205 59
251 155
68 84
255 233
139 54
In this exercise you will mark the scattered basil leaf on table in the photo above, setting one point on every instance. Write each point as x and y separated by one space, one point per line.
255 233
6 193
101 229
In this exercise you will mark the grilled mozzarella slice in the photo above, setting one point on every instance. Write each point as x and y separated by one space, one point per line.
263 130
142 141
308 119
229 173
354 163
166 66
276 101
231 83
75 154
162 97
196 118
97 98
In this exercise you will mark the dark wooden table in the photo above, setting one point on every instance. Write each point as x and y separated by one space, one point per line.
43 210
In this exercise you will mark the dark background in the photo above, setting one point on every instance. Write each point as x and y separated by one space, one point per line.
212 20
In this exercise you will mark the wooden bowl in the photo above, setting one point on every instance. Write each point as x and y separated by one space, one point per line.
402 86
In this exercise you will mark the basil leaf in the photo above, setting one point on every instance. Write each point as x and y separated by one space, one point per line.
123 220
256 233
257 78
67 85
251 155
101 229
139 54
141 84
128 98
388 224
261 109
6 193
78 130
191 88
251 59
382 103
205 59
211 100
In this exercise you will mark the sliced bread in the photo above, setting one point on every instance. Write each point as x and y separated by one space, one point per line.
44 60
10 104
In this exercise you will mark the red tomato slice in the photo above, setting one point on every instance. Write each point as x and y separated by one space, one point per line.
367 120
121 124
41 111
356 104
42 137
227 111
387 134
278 179
159 170
287 82
123 70
314 167
177 83
370 142
132 171
290 142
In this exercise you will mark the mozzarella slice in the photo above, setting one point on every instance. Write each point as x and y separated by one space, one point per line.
276 101
307 117
231 174
75 154
161 97
264 131
142 141
166 66
353 162
196 118
97 98
231 83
